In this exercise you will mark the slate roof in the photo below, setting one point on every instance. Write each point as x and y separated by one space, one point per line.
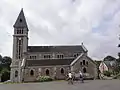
48 62
72 48
21 21
110 63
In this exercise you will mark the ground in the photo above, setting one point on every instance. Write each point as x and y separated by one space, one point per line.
62 85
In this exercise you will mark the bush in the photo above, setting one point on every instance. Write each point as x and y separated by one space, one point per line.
117 76
107 73
5 75
44 78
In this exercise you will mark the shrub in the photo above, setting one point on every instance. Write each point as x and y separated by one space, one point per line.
44 78
117 76
107 73
5 75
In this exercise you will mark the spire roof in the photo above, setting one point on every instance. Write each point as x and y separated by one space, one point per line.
21 21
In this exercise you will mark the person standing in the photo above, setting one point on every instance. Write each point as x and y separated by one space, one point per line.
81 77
70 79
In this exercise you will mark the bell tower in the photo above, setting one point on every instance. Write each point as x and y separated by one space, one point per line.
20 43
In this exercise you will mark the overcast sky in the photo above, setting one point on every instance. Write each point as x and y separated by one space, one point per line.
64 22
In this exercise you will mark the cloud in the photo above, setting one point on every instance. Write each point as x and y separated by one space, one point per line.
94 22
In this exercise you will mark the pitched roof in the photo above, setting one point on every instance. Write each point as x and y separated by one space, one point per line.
48 62
110 63
74 61
91 60
21 21
78 48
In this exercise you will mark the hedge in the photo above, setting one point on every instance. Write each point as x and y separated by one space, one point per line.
107 73
44 78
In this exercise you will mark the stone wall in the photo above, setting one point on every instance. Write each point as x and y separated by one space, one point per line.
53 55
90 66
54 72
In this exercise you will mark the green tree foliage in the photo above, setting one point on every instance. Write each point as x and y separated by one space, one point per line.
107 73
0 63
5 74
0 58
6 61
98 62
118 64
98 71
5 67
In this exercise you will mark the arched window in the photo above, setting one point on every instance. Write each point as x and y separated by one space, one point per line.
31 72
84 70
62 71
47 72
87 63
80 63
16 73
83 62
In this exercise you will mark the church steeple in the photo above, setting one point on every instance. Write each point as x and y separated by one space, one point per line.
21 21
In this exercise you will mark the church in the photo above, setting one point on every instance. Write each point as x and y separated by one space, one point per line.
30 62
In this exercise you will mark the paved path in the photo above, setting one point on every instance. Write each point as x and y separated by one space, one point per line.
62 85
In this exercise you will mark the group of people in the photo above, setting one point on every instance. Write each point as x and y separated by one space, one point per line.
71 77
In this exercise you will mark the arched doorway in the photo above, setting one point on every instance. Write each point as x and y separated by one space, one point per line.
47 72
84 70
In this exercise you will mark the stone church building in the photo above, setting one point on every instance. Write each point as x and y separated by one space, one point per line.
30 62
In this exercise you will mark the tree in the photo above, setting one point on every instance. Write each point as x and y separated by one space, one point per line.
5 75
107 73
98 71
6 61
0 63
118 64
5 68
118 60
0 59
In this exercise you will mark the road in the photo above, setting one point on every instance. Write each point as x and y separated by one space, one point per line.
63 85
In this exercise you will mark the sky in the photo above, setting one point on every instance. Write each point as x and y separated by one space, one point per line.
96 23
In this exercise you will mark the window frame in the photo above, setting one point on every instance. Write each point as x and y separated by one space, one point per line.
60 56
32 71
62 71
47 73
16 73
84 62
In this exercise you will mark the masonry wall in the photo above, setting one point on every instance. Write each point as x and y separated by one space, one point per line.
54 72
40 55
91 69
